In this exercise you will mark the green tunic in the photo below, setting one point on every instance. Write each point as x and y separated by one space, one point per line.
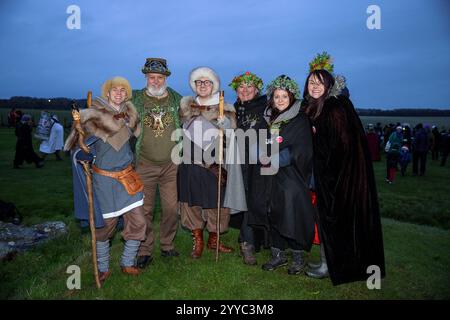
158 120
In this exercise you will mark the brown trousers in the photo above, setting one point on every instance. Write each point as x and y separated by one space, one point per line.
164 176
133 226
195 218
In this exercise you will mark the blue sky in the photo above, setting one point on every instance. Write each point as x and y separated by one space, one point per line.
405 64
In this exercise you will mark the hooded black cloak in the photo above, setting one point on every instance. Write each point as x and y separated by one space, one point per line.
347 201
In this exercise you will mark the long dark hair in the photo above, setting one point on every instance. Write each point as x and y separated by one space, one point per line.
314 106
274 111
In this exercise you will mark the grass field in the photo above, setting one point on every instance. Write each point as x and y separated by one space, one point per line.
417 256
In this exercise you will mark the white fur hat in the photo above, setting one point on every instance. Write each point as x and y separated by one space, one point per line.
206 72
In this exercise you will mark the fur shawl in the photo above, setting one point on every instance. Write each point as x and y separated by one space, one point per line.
186 111
99 120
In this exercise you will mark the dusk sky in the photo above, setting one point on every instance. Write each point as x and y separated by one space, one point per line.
405 64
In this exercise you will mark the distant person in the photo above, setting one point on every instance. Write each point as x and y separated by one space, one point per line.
445 138
374 143
388 129
404 159
55 142
24 144
13 117
393 147
436 146
420 150
407 136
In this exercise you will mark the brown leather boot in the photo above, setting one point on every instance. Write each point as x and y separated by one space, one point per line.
197 249
102 276
212 244
132 271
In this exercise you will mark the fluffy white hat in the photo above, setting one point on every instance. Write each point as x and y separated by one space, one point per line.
206 72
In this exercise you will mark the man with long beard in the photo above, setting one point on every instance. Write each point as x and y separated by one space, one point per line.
157 105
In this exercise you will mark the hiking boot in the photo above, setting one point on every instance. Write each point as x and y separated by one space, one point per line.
298 262
248 253
278 260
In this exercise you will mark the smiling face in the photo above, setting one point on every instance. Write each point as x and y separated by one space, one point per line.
316 88
246 92
117 95
203 87
155 80
281 99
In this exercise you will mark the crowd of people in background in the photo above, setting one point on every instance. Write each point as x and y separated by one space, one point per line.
52 143
403 144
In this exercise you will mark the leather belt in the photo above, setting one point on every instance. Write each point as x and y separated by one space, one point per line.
112 174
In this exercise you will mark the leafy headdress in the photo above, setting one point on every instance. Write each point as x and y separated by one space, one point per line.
285 83
324 61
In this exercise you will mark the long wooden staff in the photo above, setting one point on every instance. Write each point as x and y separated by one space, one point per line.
87 172
219 180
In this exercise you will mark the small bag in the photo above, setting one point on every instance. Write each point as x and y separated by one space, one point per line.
132 182
388 146
129 178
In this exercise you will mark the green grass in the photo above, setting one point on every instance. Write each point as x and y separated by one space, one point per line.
417 256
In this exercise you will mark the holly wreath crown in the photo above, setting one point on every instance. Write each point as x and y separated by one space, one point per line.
324 61
247 78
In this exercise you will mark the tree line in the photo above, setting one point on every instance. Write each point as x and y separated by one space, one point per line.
65 104
40 103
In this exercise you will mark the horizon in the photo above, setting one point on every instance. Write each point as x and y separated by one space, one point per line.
395 57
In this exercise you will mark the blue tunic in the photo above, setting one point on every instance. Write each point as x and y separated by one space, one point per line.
111 195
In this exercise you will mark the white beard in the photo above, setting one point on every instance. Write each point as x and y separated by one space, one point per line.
157 92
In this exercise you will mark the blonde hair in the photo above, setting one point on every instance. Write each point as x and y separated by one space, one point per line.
116 82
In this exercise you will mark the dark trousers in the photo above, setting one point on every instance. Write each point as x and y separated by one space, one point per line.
246 233
403 167
419 156
282 243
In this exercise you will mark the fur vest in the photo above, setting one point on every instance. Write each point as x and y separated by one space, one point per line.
189 108
107 124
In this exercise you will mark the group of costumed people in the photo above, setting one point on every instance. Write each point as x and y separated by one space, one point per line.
309 169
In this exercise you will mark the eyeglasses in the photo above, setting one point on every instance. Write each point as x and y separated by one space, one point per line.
206 83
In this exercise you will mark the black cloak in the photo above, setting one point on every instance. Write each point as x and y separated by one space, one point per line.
348 212
283 201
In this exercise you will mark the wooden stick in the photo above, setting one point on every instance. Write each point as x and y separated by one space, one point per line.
219 180
89 99
87 171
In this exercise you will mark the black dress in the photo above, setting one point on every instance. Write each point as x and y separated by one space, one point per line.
347 201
